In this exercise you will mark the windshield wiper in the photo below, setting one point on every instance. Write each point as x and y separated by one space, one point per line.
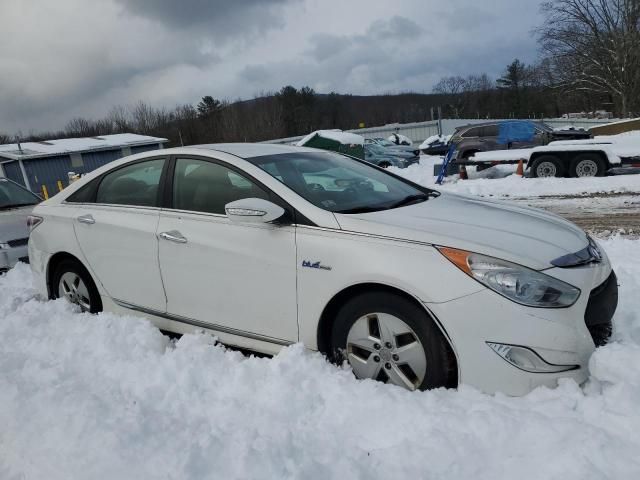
362 210
409 199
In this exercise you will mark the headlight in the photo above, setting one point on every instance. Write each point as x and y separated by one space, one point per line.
519 284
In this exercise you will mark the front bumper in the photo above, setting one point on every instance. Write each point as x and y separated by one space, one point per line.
564 336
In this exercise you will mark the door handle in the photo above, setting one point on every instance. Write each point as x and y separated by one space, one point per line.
173 236
88 219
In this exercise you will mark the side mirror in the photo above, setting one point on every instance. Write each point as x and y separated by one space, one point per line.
253 210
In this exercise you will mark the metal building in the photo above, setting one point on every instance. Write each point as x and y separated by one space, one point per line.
43 167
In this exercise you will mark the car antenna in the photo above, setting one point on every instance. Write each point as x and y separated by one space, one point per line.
19 146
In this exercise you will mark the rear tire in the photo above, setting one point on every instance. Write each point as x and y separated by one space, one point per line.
389 338
73 282
587 165
547 166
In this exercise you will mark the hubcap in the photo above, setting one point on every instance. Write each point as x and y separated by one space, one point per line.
74 290
383 347
546 169
586 168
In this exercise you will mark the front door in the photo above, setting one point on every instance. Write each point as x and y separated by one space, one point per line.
235 278
117 234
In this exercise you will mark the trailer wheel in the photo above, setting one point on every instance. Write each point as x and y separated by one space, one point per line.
547 166
587 165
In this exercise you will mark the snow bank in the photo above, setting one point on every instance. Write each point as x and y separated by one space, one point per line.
97 397
498 181
345 138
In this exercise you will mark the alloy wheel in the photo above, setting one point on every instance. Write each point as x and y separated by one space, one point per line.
382 347
73 288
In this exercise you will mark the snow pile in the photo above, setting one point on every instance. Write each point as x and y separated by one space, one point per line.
344 138
105 396
484 183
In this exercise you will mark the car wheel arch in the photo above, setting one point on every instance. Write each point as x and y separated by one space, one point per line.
53 263
325 323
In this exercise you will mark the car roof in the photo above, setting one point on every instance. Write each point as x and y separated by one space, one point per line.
249 150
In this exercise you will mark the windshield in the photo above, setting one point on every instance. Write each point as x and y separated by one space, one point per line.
376 149
544 126
338 183
13 195
385 143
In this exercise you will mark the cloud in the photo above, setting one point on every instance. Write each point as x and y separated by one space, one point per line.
72 57
218 19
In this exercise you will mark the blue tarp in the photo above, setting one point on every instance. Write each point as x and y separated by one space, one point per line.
516 131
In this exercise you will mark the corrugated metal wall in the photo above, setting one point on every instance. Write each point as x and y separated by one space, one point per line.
48 171
420 131
12 171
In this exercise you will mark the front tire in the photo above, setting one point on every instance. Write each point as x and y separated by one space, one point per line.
389 338
73 282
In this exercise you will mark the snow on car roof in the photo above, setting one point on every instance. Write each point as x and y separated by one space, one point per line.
345 138
46 148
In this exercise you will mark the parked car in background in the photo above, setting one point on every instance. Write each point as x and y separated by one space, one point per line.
16 204
269 245
384 157
484 137
392 146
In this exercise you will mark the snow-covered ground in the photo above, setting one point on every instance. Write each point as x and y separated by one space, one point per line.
109 397
499 181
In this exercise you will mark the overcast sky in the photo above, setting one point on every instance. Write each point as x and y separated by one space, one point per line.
66 58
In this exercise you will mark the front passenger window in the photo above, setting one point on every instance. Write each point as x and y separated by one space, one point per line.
202 186
135 184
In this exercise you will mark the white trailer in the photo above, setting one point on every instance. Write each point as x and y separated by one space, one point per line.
602 155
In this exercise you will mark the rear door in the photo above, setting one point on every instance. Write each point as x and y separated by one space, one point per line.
116 229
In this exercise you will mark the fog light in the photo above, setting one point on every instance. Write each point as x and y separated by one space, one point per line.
526 359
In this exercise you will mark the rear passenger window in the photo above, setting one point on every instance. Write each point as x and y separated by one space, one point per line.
202 186
135 184
472 132
489 131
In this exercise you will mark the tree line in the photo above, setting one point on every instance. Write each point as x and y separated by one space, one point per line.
590 60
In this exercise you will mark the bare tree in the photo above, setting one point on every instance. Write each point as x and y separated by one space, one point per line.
595 46
450 85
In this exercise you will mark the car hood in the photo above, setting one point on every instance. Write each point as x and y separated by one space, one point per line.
13 223
521 235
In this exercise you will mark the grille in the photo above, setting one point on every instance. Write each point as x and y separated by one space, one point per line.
602 304
20 242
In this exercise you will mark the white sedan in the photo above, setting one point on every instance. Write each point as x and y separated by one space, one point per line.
268 245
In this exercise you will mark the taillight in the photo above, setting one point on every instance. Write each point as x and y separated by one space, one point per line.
33 221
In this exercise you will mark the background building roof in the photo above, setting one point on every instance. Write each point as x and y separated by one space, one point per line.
63 146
